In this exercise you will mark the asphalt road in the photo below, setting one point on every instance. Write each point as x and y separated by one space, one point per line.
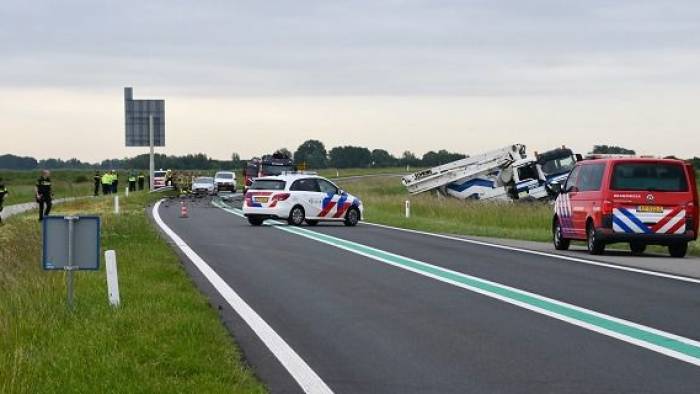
372 309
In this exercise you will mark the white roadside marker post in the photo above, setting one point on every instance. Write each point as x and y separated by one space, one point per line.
126 192
112 278
408 209
116 204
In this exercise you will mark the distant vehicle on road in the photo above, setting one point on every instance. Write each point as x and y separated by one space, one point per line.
225 181
269 165
642 201
299 198
159 178
203 185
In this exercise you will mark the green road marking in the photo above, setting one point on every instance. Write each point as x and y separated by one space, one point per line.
681 348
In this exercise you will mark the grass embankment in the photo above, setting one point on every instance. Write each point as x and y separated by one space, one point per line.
384 199
164 338
66 183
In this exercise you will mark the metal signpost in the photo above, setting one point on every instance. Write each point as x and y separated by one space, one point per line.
145 125
71 243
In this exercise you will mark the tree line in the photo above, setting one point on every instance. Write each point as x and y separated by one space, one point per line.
312 153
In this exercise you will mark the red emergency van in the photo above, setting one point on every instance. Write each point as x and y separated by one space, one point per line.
641 201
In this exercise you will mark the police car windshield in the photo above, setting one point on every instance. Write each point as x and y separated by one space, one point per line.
158 174
224 175
649 177
204 179
267 184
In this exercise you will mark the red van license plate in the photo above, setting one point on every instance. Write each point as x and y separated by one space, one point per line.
650 209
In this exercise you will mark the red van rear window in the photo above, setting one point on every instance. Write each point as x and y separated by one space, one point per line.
662 177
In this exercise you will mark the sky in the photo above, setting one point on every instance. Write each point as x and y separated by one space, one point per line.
254 76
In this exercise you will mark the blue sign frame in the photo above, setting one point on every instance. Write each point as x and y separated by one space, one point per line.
49 266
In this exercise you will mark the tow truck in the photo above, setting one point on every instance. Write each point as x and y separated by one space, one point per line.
502 174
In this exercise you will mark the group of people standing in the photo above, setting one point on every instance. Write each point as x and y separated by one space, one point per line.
110 182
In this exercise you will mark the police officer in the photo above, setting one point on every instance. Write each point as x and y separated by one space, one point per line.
115 182
3 193
44 194
107 183
97 179
132 181
142 180
169 178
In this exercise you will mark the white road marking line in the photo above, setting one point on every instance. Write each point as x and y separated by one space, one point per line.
546 254
309 381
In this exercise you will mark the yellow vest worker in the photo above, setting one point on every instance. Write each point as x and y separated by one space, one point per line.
107 183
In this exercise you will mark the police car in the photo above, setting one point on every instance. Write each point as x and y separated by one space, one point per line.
299 198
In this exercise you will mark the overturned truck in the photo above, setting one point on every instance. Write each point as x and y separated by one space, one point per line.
502 174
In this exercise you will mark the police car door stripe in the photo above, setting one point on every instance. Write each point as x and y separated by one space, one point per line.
342 207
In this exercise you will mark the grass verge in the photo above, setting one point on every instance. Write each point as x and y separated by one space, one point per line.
164 338
66 183
384 199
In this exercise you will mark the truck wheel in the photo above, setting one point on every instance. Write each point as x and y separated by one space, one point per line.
255 221
594 245
678 250
352 217
560 243
296 216
638 248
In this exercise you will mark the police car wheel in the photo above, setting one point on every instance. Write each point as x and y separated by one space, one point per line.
311 222
352 217
255 221
678 250
560 243
594 245
296 216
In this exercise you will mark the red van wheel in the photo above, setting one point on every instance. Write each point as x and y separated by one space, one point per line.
678 250
560 243
594 245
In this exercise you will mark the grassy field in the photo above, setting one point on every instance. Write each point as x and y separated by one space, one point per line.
164 338
384 199
343 172
66 183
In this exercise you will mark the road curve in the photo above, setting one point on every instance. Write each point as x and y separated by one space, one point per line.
360 308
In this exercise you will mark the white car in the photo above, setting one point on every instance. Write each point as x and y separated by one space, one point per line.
300 198
203 185
225 181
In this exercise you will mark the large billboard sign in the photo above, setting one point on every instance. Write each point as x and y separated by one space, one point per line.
137 113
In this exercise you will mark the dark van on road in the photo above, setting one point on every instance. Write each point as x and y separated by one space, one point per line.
640 201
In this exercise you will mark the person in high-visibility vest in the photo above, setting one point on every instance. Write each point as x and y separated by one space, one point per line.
142 180
3 193
115 182
107 183
132 181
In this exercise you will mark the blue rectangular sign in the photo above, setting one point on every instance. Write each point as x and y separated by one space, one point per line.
86 243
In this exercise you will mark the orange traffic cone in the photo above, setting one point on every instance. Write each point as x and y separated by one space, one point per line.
183 210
